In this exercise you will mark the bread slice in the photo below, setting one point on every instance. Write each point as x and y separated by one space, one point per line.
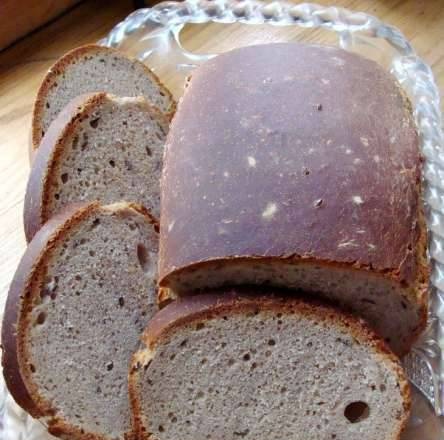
83 292
227 366
304 167
99 147
93 68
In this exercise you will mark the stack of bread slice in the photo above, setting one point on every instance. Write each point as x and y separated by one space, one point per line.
282 209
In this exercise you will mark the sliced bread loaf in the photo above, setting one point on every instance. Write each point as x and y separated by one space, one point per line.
303 165
82 294
99 147
90 69
227 366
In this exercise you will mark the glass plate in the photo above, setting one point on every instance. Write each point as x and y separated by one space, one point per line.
161 37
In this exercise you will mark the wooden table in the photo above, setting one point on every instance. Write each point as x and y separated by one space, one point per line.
23 66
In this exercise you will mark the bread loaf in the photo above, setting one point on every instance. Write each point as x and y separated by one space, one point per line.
99 147
82 294
298 166
227 366
89 69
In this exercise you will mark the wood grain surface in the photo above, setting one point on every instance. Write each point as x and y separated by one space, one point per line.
18 18
23 65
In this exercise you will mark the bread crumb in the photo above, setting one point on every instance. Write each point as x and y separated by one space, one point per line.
338 61
357 161
376 158
349 243
325 81
357 200
226 174
348 151
251 161
269 211
171 225
364 141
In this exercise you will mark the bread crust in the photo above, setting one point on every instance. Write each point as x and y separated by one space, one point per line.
58 68
283 166
189 310
47 156
19 303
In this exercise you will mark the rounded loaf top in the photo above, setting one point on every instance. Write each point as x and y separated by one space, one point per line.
284 150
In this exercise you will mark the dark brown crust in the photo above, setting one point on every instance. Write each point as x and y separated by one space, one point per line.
59 67
193 309
324 193
46 158
19 303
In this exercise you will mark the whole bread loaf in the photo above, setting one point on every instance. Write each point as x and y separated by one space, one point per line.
99 147
81 296
230 365
298 166
90 69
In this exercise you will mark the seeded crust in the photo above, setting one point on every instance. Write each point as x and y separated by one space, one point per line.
17 315
60 67
58 138
196 309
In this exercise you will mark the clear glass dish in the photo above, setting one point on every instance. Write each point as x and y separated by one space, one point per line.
173 38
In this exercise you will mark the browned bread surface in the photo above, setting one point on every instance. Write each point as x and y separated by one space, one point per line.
82 294
298 159
267 366
99 147
89 69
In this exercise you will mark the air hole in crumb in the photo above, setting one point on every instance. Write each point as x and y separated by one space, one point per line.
161 428
57 196
382 387
184 343
109 366
356 412
121 302
271 342
200 326
246 357
94 122
112 163
148 151
142 256
268 353
41 318
47 104
92 253
230 362
96 222
64 177
32 368
253 366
